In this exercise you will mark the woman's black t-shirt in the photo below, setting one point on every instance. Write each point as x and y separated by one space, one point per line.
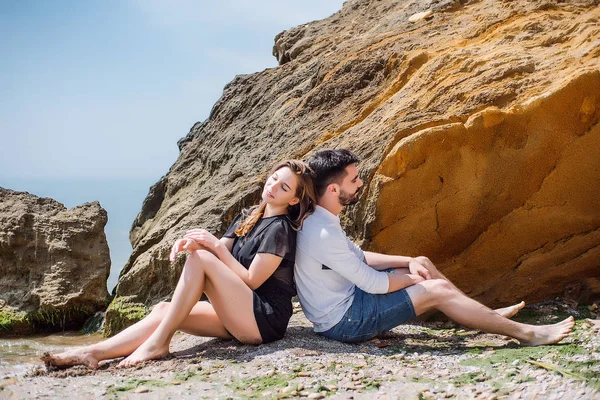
273 299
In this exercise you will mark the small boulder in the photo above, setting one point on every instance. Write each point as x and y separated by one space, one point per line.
54 263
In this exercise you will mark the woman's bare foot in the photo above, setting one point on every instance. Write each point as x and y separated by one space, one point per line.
147 351
69 358
550 334
510 311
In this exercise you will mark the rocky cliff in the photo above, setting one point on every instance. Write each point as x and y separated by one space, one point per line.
477 122
54 263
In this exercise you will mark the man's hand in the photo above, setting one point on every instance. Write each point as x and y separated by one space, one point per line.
417 268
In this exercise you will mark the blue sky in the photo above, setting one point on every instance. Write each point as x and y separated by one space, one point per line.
95 94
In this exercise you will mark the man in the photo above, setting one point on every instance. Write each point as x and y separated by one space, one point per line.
350 295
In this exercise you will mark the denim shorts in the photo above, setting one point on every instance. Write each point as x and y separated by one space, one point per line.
372 314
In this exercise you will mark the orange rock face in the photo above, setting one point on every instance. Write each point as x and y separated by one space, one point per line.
477 125
507 202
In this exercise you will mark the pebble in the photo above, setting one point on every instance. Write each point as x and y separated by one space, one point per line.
141 389
426 394
315 396
288 389
397 357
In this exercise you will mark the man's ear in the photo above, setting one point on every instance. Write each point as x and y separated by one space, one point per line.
333 187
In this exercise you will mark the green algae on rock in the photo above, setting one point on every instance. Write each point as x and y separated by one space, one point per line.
122 313
14 323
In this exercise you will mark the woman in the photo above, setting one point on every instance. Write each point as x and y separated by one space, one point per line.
247 275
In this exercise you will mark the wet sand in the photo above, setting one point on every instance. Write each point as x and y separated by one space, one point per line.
20 355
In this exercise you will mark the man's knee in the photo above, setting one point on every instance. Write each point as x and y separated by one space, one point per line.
424 261
437 289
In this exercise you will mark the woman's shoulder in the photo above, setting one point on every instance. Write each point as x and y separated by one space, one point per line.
282 224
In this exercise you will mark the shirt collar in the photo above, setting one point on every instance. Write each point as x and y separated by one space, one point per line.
322 212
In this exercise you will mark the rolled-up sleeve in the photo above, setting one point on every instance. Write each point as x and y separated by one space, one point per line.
339 256
356 250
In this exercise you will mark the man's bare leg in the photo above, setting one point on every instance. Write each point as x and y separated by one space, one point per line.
510 311
506 312
439 294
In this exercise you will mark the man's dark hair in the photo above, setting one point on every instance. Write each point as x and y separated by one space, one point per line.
329 166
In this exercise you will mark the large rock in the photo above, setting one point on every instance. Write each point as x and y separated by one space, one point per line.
477 125
54 263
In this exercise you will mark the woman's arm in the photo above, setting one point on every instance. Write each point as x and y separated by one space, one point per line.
262 267
227 242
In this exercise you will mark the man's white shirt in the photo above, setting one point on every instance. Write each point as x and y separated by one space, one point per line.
328 268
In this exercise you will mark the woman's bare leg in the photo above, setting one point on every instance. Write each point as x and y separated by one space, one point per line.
200 267
506 312
201 321
440 295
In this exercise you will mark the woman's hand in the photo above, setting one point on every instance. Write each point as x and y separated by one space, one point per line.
183 245
204 238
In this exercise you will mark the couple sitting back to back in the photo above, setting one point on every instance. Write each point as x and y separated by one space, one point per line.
248 276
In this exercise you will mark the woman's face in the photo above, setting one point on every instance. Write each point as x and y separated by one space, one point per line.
280 188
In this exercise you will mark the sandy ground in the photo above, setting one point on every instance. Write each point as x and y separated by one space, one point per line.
419 361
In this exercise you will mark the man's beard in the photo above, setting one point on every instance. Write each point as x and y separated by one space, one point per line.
347 199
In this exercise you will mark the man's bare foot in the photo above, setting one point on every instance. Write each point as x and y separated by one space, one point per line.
68 359
147 351
510 311
550 334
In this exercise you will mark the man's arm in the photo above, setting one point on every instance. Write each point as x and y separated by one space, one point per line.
382 262
401 281
396 281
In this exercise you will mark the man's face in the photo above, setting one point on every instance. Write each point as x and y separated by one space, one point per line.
350 187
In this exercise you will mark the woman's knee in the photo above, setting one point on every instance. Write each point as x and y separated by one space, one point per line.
201 259
203 255
204 258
